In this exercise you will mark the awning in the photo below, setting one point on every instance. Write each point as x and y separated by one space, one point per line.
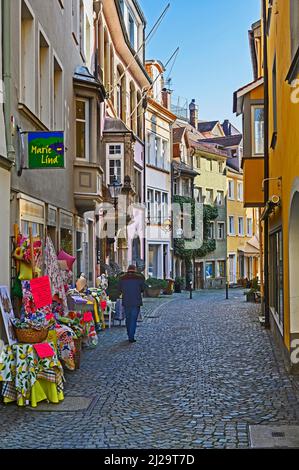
251 248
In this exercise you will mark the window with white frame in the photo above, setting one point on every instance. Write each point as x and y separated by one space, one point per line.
114 170
82 129
240 191
158 151
157 210
44 80
150 204
220 167
209 196
184 153
294 29
198 194
258 130
114 163
249 227
220 198
221 268
198 162
138 185
209 165
211 228
164 207
231 225
241 226
220 230
58 107
186 187
231 189
165 155
27 56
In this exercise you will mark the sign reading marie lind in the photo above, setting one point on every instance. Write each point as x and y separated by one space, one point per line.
45 150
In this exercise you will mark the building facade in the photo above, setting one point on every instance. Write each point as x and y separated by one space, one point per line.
5 159
158 134
282 190
51 88
243 250
270 115
120 31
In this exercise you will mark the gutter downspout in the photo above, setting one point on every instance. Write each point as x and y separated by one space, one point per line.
266 170
6 41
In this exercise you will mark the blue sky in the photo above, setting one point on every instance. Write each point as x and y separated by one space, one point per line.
214 58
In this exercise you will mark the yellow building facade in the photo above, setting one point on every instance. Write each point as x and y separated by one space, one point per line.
271 180
243 252
283 50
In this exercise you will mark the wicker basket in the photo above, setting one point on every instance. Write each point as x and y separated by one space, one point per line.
77 355
31 336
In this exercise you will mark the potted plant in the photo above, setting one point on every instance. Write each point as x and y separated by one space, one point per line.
252 293
154 286
112 290
179 284
170 287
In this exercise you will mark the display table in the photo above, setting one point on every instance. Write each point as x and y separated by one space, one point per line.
27 378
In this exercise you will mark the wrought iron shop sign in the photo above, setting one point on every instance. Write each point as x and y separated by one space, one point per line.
45 150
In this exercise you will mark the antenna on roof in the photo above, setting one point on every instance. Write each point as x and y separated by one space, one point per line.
145 92
146 40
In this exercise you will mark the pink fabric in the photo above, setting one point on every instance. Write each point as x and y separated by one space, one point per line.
63 256
87 316
44 350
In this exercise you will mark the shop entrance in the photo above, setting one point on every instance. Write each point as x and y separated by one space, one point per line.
294 265
199 284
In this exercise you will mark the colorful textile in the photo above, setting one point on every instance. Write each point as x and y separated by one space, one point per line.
20 366
44 350
66 345
63 256
53 271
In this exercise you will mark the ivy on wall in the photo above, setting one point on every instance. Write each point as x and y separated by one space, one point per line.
210 213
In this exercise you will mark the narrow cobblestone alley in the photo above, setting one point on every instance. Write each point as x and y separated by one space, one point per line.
201 372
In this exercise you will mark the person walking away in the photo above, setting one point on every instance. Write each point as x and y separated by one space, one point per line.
131 286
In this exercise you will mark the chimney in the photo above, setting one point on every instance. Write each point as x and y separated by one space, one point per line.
226 126
166 98
193 108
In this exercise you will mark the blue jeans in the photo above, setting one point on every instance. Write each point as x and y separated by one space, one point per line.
131 320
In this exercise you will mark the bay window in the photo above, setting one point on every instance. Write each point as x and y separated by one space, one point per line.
82 129
257 130
114 164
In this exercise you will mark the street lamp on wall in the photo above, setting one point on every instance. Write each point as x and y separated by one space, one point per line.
115 189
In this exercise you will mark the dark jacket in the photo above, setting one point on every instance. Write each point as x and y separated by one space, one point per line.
131 285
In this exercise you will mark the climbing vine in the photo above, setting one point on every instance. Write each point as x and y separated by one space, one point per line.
210 213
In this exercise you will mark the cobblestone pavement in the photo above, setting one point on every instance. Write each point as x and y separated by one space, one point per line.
201 371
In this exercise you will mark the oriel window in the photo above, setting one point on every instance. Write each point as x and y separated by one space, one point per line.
82 129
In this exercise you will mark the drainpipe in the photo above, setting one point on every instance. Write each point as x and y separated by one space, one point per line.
266 170
6 41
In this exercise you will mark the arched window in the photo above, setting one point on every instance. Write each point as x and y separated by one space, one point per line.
106 60
112 75
121 93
